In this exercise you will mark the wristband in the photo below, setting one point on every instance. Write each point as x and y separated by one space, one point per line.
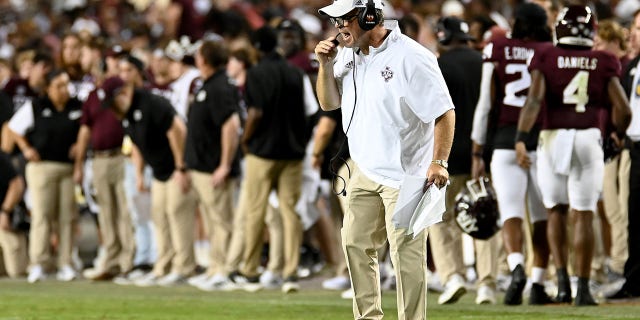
522 136
477 154
182 169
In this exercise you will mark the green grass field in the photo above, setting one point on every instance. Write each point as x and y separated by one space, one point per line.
84 300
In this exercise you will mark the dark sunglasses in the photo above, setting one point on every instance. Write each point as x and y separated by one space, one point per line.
339 22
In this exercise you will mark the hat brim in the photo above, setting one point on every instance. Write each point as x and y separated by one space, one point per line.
337 9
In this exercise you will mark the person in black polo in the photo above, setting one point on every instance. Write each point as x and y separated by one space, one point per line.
12 244
274 140
45 129
211 154
159 134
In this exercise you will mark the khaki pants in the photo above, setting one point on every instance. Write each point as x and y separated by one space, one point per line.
260 178
13 253
217 204
53 203
446 244
367 226
273 220
615 195
173 215
114 217
236 243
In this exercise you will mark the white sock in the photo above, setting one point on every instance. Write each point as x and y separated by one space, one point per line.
537 275
514 259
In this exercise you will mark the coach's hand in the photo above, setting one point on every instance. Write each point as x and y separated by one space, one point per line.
437 175
325 50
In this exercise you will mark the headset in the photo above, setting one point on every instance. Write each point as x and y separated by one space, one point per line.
369 17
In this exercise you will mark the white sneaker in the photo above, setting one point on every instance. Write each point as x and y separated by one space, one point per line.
216 282
172 279
270 280
66 273
290 287
36 273
485 295
433 282
196 280
347 294
453 290
337 283
147 280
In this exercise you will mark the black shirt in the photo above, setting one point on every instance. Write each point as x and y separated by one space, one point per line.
276 87
147 122
462 71
7 173
213 104
54 132
6 108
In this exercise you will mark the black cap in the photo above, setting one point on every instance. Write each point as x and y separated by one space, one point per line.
450 28
264 39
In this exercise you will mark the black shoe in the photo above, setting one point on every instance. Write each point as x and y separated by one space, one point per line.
584 299
513 296
564 296
538 296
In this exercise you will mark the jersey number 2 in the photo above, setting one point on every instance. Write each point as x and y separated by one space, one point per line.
576 91
512 88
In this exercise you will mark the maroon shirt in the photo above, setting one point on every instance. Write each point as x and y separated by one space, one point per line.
106 130
19 91
576 86
511 57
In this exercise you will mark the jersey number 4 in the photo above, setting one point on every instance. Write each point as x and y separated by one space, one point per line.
576 91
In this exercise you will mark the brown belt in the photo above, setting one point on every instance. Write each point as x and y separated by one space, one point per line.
107 153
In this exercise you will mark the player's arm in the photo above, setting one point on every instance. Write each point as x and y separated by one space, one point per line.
528 116
531 109
481 119
620 112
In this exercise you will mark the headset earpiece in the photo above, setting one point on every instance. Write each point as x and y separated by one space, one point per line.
368 18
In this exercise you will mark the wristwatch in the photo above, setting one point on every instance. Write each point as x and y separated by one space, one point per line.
442 163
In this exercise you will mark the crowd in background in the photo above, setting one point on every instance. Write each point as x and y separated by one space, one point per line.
157 47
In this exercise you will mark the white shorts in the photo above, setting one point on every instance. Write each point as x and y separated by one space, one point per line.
581 184
515 185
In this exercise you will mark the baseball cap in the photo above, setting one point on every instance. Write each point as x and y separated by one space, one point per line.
452 28
531 13
341 7
174 51
108 90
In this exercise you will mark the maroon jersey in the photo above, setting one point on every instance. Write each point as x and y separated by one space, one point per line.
163 90
576 86
106 130
19 91
513 79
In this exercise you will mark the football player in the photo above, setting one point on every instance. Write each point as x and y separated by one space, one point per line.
516 187
575 84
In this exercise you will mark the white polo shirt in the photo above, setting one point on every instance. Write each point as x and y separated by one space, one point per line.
399 92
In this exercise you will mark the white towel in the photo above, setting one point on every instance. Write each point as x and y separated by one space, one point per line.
562 150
